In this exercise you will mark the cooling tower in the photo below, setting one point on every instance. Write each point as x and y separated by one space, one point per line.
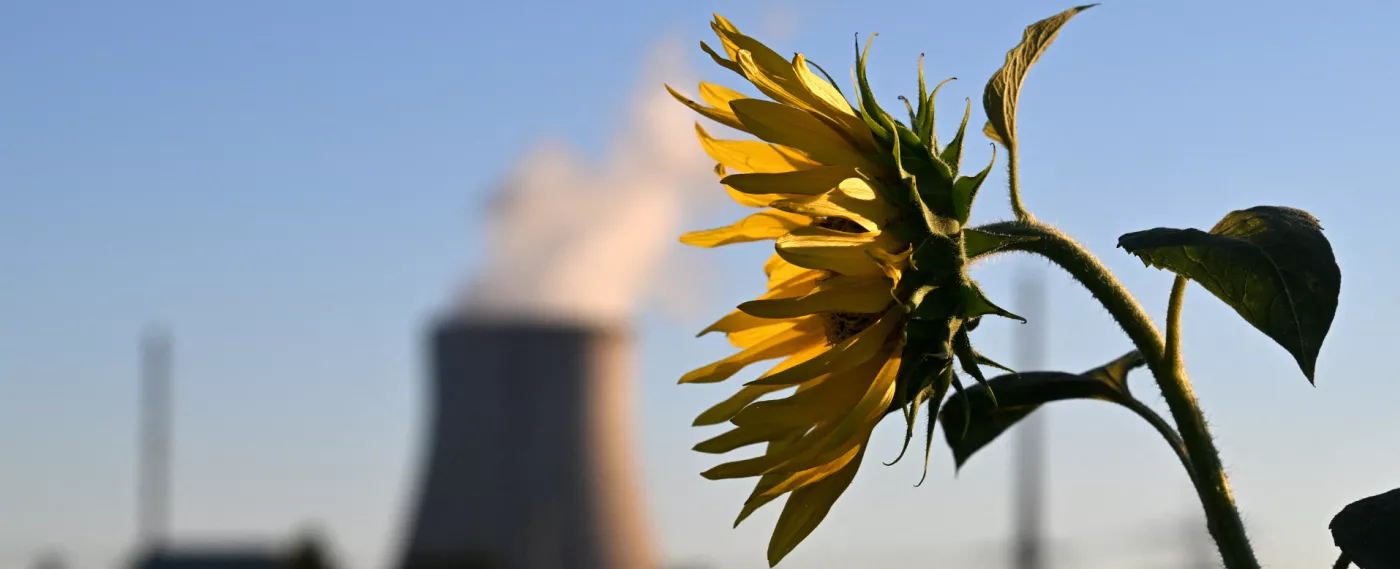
529 460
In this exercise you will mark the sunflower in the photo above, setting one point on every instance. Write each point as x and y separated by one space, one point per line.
869 302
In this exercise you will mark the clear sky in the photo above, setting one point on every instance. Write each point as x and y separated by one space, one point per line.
296 187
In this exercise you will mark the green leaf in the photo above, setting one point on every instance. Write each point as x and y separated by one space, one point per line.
999 99
1368 531
937 253
980 242
1271 264
926 127
913 115
965 188
874 116
1018 394
952 154
975 303
917 122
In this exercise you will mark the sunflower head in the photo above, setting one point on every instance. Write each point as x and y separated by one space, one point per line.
869 302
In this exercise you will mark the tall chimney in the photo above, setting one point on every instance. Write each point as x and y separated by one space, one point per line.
153 476
529 460
1030 435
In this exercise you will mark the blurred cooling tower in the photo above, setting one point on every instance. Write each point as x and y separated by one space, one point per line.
529 462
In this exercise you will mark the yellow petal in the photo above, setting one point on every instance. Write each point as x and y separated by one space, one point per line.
807 507
832 105
837 294
794 480
766 489
795 359
798 129
754 332
770 72
740 437
767 224
719 96
782 344
813 182
892 264
850 353
751 200
757 499
790 83
849 201
744 468
798 284
752 156
837 251
779 270
722 23
734 322
823 92
854 427
742 198
725 410
751 337
720 60
720 115
824 405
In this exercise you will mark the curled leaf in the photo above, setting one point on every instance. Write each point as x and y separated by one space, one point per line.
999 99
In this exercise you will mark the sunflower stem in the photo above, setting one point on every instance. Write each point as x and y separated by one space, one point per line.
1342 562
1212 485
1013 176
1204 466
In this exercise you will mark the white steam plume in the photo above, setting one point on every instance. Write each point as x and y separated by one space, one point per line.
572 240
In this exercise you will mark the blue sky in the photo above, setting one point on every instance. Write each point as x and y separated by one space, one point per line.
295 188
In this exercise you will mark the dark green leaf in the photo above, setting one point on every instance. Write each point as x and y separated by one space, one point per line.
1271 264
975 303
1368 531
935 252
999 99
1018 394
980 242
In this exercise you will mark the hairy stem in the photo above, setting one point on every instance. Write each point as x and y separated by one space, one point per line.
1013 176
1163 360
1172 356
1342 562
1211 483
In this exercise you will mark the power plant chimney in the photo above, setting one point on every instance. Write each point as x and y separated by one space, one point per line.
153 476
1029 552
528 464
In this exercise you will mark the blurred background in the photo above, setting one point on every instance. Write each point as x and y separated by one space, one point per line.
239 242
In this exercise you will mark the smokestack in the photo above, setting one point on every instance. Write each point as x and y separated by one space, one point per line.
529 461
153 476
1029 469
